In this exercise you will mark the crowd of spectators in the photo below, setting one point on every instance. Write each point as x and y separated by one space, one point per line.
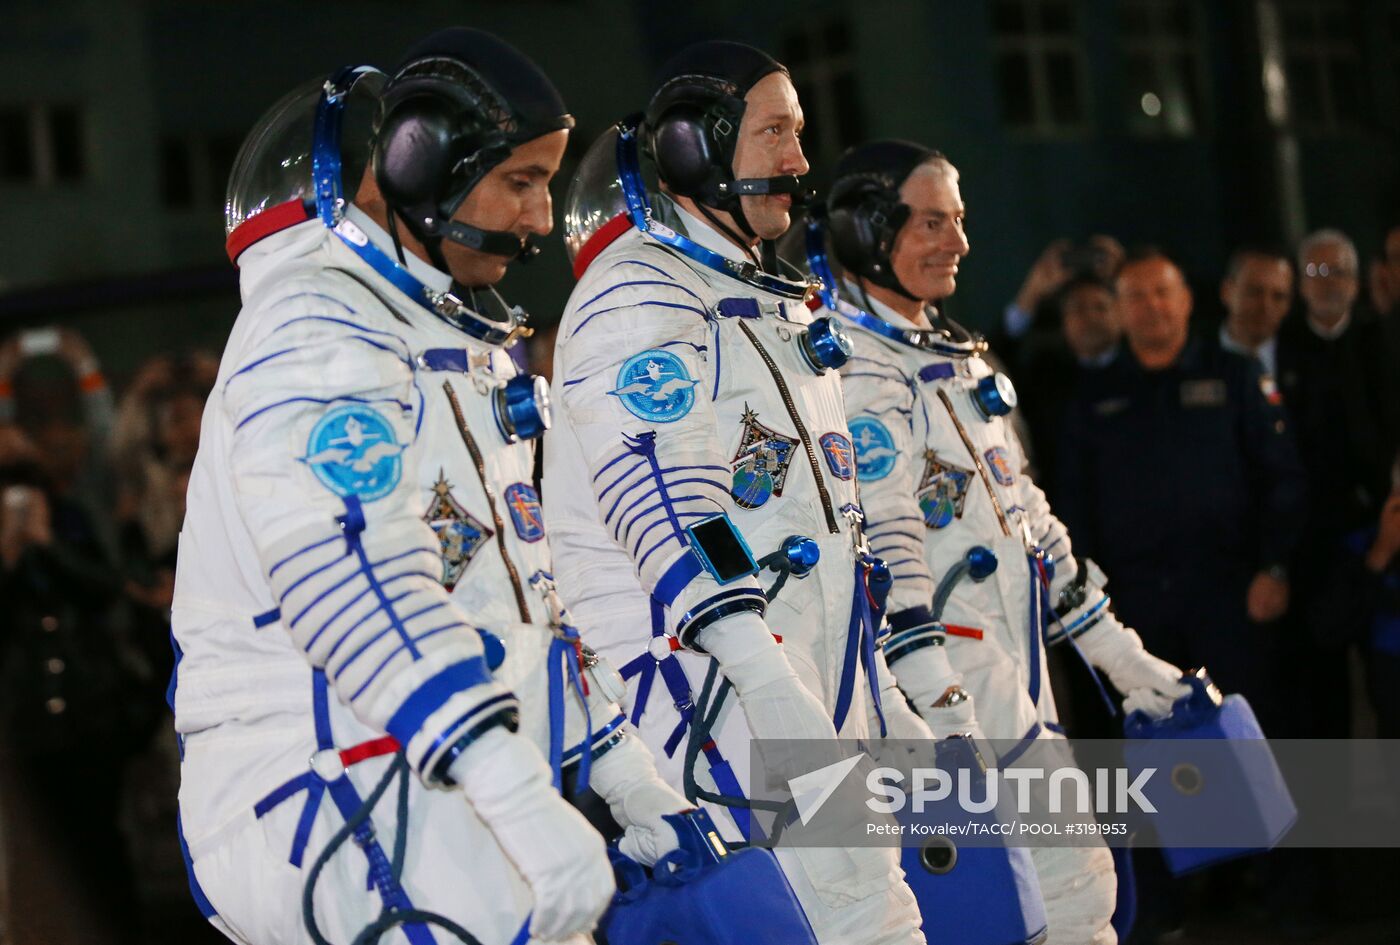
1237 477
91 498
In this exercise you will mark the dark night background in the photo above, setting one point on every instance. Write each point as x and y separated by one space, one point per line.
1196 125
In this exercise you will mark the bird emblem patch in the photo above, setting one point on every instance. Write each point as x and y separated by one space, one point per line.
460 534
942 491
655 386
354 452
761 463
875 452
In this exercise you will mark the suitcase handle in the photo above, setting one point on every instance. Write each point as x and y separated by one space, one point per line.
631 876
1196 708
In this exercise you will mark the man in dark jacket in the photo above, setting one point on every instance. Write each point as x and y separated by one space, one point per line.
1337 374
1178 474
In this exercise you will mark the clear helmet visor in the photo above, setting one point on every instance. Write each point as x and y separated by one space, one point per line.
274 165
596 198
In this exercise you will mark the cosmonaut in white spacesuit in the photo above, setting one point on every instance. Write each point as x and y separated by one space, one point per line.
360 514
946 500
700 427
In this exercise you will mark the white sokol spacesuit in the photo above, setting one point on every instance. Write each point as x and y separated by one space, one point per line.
359 510
683 394
940 474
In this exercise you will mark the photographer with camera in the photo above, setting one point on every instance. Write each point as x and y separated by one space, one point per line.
1062 322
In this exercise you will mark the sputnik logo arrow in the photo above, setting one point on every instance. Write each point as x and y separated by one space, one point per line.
811 790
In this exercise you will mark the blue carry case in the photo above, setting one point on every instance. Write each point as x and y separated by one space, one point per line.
989 894
704 894
1221 778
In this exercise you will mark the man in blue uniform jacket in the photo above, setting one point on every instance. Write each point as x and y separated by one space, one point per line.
1179 475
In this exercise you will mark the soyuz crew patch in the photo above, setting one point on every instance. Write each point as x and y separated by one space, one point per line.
839 454
353 451
524 504
761 463
655 386
999 461
460 534
875 452
942 492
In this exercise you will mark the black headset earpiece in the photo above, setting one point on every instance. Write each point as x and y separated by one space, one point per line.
416 148
864 218
692 125
440 130
682 148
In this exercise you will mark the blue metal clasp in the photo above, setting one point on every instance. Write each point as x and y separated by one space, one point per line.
981 562
801 554
825 345
521 407
995 396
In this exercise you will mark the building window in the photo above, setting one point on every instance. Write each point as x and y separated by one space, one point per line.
1326 85
1162 68
42 144
1040 70
821 56
194 170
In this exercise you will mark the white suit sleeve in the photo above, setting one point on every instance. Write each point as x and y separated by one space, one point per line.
324 410
640 367
879 407
880 403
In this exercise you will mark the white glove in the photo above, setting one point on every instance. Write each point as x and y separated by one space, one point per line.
625 776
778 706
775 703
901 722
926 676
562 858
1147 683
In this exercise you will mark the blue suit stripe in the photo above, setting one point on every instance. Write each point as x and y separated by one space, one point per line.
638 262
372 640
637 544
613 462
667 539
360 596
366 616
341 321
315 295
263 360
624 285
405 407
654 304
297 554
624 516
341 583
644 477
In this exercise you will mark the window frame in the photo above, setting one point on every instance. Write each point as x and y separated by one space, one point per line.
1038 47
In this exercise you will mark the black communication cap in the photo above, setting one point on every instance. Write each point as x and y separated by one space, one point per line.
891 161
738 64
536 105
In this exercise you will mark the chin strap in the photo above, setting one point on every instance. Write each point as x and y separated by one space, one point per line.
424 223
728 200
738 216
892 283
